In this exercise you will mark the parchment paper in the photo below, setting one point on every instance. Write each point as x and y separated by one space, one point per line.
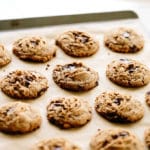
80 136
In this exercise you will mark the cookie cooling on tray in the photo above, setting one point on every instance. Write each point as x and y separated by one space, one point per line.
75 77
124 40
34 48
77 43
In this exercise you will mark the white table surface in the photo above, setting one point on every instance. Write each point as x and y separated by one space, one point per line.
33 8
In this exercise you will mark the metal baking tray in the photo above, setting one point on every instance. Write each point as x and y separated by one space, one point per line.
51 27
65 19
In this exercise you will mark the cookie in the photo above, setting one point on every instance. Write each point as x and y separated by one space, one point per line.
124 40
5 57
77 44
75 77
115 139
128 73
23 84
118 107
55 144
147 137
69 112
19 117
34 48
147 98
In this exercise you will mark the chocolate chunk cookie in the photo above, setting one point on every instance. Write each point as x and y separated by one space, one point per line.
124 40
5 57
77 44
55 144
23 84
128 73
75 77
19 117
118 107
34 48
69 112
147 137
115 139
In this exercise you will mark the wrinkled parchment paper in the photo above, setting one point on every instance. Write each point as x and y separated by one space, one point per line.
80 136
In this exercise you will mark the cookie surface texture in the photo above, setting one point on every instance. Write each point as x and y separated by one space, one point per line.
55 144
118 107
115 139
69 112
34 48
75 77
147 137
22 84
5 57
19 117
124 40
128 73
77 44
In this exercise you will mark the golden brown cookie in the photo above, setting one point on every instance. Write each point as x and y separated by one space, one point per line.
124 40
115 139
23 84
128 73
19 117
5 57
55 144
34 48
118 107
147 137
69 112
75 77
77 44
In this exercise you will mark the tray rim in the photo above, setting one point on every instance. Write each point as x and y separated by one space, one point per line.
11 24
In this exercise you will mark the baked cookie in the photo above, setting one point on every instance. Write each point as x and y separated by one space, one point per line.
55 144
77 44
5 57
69 112
75 77
115 139
124 40
128 73
23 84
147 98
118 107
19 117
147 137
34 48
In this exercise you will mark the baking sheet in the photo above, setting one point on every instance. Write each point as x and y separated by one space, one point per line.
80 136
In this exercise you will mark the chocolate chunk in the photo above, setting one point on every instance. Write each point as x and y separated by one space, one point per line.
70 67
84 39
105 143
123 134
117 101
148 93
131 68
126 34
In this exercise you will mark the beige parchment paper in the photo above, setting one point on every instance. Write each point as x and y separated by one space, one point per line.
80 136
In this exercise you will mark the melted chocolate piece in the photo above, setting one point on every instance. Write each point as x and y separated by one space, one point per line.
126 34
123 134
117 101
131 68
